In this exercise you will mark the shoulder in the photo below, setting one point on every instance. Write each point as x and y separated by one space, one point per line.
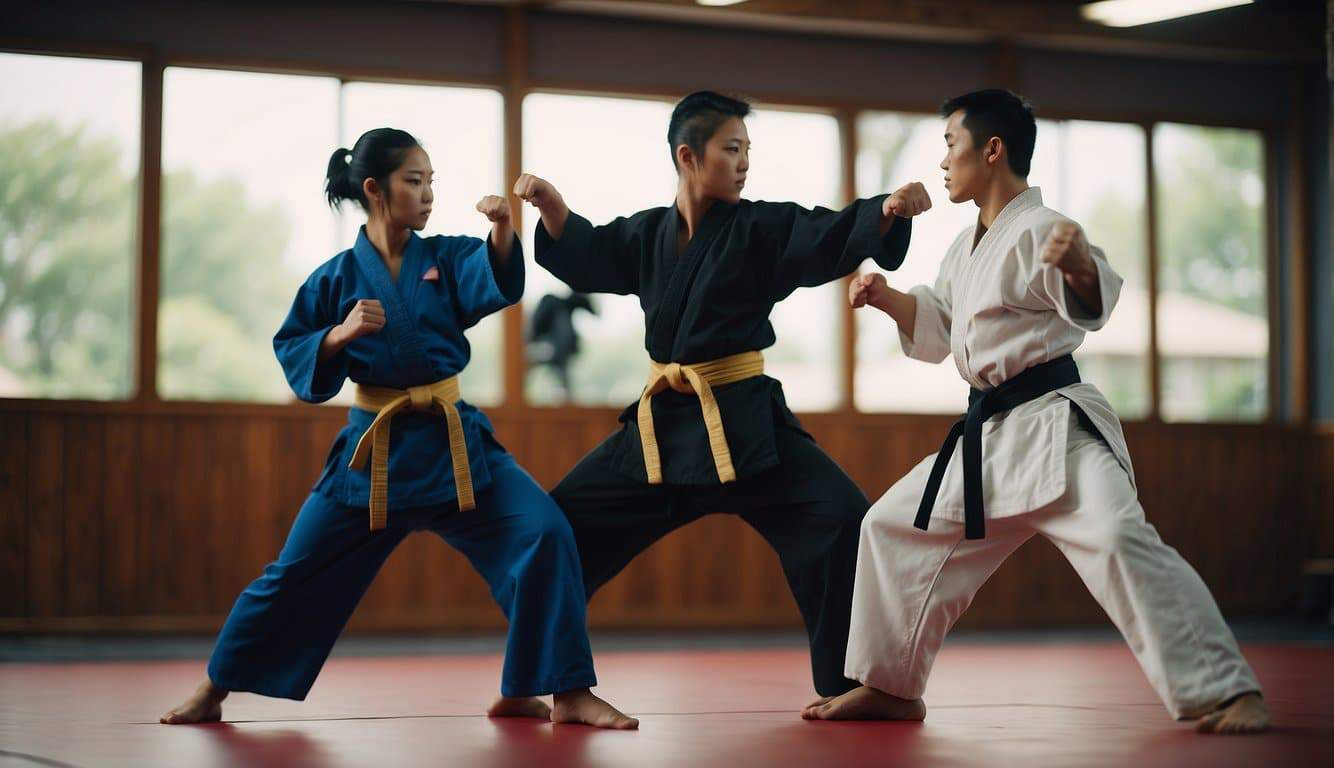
447 247
335 270
765 209
1040 221
646 217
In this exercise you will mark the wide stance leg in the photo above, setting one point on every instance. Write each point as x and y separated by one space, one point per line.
1151 593
282 627
614 517
522 545
810 512
912 585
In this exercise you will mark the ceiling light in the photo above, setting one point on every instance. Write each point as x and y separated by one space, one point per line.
1132 13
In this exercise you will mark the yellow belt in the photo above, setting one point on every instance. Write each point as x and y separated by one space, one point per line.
374 443
699 379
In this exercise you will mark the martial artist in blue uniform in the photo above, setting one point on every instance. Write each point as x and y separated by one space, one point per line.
389 313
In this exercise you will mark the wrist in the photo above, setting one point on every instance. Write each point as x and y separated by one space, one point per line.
1083 276
554 204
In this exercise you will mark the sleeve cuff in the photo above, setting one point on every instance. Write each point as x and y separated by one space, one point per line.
1071 307
507 278
894 245
887 250
574 237
313 381
928 343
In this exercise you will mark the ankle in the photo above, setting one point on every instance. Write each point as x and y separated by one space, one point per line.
572 694
213 692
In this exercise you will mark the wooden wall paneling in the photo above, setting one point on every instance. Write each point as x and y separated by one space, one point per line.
224 514
46 517
154 449
14 452
85 503
1321 495
120 572
187 551
255 512
193 504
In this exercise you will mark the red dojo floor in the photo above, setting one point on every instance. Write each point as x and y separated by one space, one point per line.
1022 705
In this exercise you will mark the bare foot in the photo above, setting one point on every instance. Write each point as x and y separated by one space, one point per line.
1245 714
524 706
204 706
581 706
819 701
866 703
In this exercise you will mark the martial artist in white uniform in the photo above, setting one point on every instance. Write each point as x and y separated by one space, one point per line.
1014 298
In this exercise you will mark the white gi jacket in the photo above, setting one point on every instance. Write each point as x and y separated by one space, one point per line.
998 311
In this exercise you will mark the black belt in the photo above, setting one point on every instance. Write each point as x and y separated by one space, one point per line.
1029 385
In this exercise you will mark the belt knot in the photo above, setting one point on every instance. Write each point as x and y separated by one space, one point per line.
420 397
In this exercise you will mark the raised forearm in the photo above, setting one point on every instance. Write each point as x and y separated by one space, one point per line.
333 342
554 214
900 306
502 240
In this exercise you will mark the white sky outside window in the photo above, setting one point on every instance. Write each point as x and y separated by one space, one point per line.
100 98
886 380
795 157
273 135
607 157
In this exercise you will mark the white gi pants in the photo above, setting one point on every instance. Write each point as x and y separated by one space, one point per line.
912 585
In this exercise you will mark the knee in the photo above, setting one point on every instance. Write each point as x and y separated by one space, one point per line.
849 506
1119 537
548 527
887 517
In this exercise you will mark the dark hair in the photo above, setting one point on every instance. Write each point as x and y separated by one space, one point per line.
697 117
998 112
376 154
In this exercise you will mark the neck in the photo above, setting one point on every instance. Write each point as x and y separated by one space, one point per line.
693 205
1001 190
387 238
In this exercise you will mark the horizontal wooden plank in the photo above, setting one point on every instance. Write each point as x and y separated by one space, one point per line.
207 495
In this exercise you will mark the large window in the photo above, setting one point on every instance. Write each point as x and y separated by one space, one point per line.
601 174
69 171
243 223
1212 315
245 220
796 157
1094 173
1212 328
894 149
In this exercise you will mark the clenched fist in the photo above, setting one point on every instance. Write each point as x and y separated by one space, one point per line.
494 207
534 190
867 289
908 201
1067 249
366 318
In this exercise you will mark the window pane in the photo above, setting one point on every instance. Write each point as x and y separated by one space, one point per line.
462 129
561 145
894 149
1094 173
70 172
807 324
1212 314
244 222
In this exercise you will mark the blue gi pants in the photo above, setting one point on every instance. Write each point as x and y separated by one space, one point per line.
285 623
